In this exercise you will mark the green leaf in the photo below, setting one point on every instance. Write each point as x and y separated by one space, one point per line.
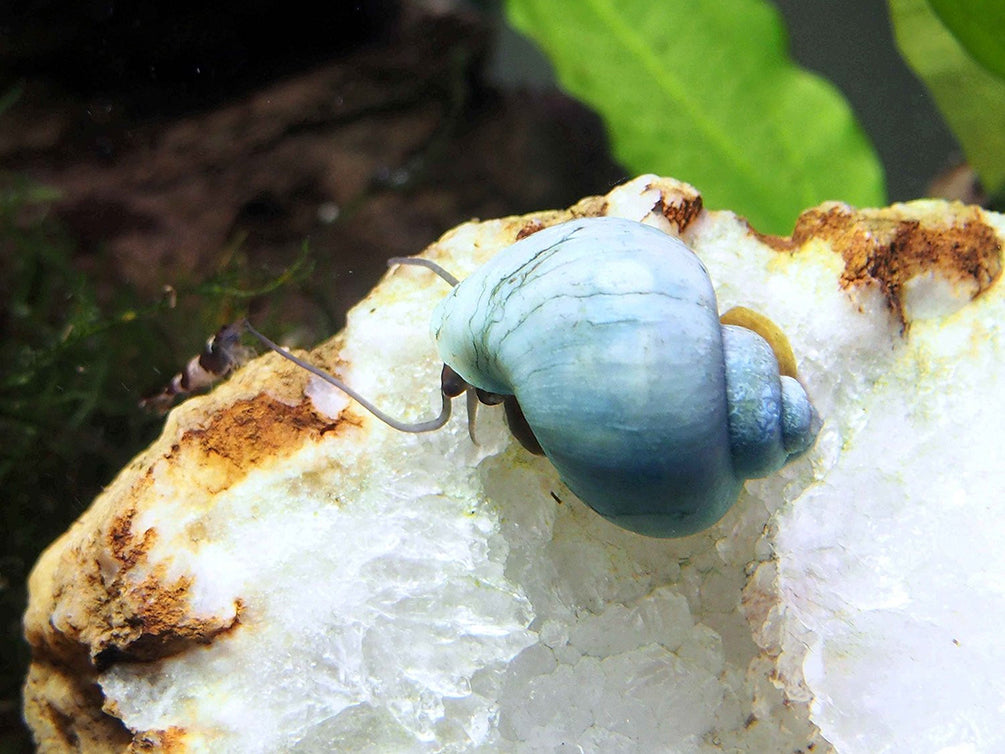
971 99
979 26
706 93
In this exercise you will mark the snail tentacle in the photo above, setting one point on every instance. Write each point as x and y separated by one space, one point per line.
471 402
416 427
429 264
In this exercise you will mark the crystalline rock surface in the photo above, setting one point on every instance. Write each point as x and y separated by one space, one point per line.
281 572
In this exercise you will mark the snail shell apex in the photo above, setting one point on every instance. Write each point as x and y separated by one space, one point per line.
607 333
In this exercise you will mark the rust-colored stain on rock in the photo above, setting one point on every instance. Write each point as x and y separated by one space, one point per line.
529 228
147 615
678 203
65 708
246 436
680 207
114 604
161 741
887 248
152 618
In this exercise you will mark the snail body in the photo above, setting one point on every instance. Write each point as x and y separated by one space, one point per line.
602 339
607 334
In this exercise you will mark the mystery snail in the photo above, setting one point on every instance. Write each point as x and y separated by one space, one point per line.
602 338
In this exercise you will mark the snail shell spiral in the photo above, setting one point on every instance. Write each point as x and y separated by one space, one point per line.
607 333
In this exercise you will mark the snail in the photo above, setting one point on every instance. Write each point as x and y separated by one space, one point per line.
602 338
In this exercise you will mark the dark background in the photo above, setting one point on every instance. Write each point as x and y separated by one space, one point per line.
201 146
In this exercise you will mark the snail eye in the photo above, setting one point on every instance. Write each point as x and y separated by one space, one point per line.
489 399
451 383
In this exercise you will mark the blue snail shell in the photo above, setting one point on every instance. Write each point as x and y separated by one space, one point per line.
607 333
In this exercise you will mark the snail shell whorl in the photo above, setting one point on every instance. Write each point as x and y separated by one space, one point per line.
771 419
754 396
607 333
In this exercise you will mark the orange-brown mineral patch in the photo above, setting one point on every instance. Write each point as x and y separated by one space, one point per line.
156 621
161 741
679 203
886 248
113 604
98 597
530 228
107 594
248 435
64 707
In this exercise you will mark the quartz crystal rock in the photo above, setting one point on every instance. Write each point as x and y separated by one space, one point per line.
281 572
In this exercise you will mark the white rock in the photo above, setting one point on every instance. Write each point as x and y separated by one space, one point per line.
280 572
